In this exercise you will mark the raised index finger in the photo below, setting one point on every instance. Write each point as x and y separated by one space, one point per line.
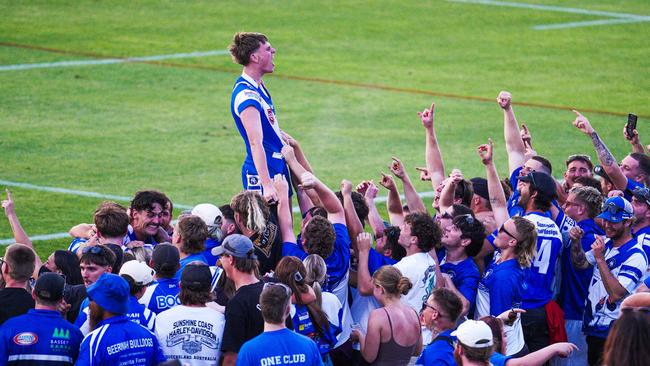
8 193
577 113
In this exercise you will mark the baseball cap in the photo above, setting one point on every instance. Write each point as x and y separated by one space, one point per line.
642 194
141 273
480 187
209 213
474 333
197 277
600 171
49 286
111 292
616 209
236 245
165 255
541 182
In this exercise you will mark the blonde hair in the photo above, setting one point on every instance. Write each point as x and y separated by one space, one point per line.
252 209
526 247
316 274
391 279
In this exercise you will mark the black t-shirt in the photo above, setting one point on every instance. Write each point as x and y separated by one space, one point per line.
268 245
14 302
243 317
74 295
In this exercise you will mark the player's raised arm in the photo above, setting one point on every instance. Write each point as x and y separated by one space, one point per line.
514 144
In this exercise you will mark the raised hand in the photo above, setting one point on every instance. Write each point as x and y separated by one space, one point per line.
424 173
387 182
281 185
8 204
288 153
371 192
364 242
504 100
397 168
308 180
485 152
427 116
582 123
346 187
598 248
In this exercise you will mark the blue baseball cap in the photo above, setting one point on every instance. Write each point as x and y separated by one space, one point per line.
616 209
111 292
236 245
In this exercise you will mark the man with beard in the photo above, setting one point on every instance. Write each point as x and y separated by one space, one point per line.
115 339
94 262
620 263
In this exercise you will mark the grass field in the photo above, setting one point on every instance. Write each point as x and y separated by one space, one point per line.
350 77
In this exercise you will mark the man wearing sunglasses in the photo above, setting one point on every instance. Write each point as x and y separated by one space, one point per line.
94 262
619 264
439 314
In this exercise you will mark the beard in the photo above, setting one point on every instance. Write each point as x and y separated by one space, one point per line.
96 315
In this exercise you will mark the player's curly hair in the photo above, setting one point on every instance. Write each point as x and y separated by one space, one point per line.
244 44
590 197
425 229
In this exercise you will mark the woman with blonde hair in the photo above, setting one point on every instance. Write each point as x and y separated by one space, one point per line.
394 332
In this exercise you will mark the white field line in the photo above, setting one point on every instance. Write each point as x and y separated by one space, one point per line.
74 192
110 61
620 18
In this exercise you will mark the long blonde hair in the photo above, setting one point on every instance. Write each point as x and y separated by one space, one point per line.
252 209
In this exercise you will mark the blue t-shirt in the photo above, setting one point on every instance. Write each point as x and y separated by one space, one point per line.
189 259
498 359
377 260
303 324
465 276
539 276
161 295
631 184
500 289
137 313
207 253
117 341
513 202
40 337
247 93
279 347
439 352
575 282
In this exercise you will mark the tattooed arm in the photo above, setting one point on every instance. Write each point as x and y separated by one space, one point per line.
604 155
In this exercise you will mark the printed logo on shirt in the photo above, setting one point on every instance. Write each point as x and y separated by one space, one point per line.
193 335
269 113
253 183
61 333
25 338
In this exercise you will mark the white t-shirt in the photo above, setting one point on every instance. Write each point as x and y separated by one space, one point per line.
420 269
191 335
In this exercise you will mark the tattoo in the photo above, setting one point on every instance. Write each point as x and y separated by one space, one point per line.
578 255
604 155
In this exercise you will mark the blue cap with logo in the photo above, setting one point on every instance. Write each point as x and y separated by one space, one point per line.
111 292
616 209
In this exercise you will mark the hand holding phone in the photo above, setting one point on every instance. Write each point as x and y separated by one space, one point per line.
630 126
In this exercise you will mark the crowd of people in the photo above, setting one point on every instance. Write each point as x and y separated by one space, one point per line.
527 270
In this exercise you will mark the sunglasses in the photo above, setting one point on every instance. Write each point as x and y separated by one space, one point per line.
92 250
503 229
612 209
286 288
642 193
425 305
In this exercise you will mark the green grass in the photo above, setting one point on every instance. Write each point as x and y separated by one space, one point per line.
115 129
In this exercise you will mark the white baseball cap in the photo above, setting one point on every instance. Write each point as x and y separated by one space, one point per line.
141 273
474 333
209 213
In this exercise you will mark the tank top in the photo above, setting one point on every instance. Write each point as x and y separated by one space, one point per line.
391 353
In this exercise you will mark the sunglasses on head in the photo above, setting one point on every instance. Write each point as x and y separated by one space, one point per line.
92 250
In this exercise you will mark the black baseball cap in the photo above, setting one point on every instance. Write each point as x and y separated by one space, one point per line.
480 187
49 286
165 255
541 182
196 277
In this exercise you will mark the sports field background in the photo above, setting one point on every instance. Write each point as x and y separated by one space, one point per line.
349 79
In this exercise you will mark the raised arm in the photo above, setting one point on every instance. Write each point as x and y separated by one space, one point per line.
364 279
352 221
578 256
614 289
449 190
605 157
250 118
413 200
369 191
297 170
495 189
20 236
514 144
432 155
637 147
393 203
285 218
331 203
300 156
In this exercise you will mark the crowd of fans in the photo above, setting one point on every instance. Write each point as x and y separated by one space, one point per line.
527 270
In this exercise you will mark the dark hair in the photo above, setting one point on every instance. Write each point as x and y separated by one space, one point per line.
111 220
188 296
244 44
425 229
319 237
291 271
68 263
315 211
644 163
464 191
193 232
134 288
471 228
391 279
274 300
21 260
589 182
105 258
246 265
628 339
144 200
397 252
227 212
460 209
449 302
496 326
545 163
119 257
579 157
360 205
